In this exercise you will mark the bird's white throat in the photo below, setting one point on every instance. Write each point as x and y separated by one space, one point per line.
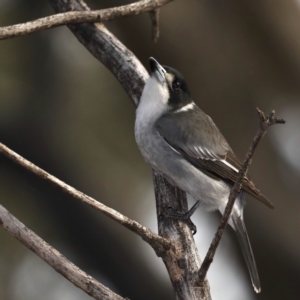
153 102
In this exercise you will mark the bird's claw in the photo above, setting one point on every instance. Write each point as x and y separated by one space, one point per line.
184 216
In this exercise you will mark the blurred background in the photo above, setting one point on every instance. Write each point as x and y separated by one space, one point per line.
62 110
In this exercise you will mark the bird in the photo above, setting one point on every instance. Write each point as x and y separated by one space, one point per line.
184 145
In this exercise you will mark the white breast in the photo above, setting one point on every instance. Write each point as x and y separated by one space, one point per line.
153 103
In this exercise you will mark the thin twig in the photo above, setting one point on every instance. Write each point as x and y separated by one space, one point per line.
265 123
75 17
55 259
158 243
154 16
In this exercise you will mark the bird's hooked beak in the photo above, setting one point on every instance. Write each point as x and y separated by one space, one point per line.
157 70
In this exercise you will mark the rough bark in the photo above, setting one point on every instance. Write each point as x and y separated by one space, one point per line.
76 17
159 244
55 259
182 260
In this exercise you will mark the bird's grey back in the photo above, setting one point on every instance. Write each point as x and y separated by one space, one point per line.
193 128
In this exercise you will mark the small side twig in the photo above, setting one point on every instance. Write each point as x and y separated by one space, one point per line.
76 17
55 259
154 16
158 243
265 123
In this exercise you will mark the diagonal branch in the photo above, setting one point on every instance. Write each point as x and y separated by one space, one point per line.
106 48
182 260
265 123
55 259
76 17
158 243
154 16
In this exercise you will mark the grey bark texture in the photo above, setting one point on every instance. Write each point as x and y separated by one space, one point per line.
55 259
182 260
159 244
76 17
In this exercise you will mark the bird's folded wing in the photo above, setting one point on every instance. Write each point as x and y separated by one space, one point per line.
211 154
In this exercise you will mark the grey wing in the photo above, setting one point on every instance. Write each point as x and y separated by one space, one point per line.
194 135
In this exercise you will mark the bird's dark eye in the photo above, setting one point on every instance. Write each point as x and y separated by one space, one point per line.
175 85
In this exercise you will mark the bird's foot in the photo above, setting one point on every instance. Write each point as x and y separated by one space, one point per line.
184 216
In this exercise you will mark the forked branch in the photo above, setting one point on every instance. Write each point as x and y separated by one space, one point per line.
158 243
55 259
265 123
76 17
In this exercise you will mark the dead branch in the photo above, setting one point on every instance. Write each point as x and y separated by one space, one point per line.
265 123
183 261
55 259
132 75
75 17
158 243
154 16
105 47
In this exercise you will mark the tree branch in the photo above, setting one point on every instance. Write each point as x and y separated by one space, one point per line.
106 48
55 259
265 123
182 259
158 243
154 16
75 17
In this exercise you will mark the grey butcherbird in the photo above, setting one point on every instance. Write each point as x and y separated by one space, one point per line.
183 144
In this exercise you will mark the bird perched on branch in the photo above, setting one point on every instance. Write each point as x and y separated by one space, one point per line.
184 145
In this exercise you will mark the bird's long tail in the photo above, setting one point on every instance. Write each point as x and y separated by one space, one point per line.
244 241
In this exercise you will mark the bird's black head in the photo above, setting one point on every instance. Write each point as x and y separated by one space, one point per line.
174 84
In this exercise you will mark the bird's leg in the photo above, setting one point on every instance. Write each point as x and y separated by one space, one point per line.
184 216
